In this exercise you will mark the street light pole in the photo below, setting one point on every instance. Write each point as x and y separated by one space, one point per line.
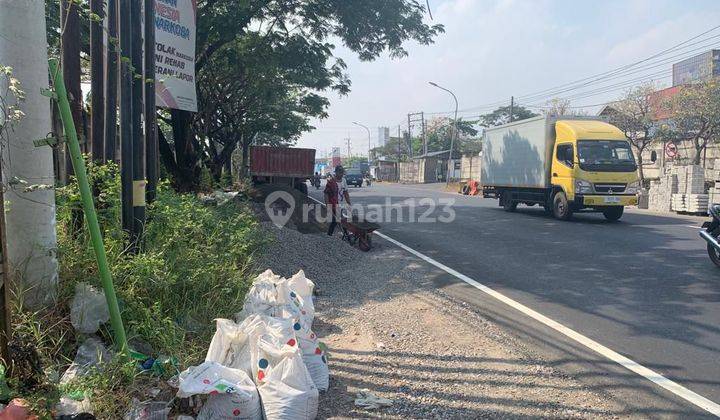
368 131
452 138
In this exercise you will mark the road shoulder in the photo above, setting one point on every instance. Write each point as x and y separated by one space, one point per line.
391 331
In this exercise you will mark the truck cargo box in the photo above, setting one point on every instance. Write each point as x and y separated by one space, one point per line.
290 162
518 154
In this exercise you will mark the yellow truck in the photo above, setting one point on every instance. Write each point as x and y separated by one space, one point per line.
564 164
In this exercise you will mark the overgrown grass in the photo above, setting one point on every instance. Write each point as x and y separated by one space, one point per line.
194 267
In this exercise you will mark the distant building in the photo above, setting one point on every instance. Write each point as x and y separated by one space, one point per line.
383 136
697 68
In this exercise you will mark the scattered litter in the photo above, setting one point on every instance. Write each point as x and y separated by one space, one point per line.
148 410
153 392
368 400
232 393
217 197
68 406
380 345
88 309
91 353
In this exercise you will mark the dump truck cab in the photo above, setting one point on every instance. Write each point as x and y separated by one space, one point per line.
593 165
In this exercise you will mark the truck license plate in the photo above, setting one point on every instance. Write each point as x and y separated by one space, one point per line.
612 200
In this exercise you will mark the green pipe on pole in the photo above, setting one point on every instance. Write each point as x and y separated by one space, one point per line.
88 206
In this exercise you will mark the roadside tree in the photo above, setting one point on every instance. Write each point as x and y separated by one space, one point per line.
295 40
695 116
502 115
636 115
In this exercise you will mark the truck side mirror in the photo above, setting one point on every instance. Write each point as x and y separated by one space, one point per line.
653 156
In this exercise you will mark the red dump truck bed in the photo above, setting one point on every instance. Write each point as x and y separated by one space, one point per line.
291 162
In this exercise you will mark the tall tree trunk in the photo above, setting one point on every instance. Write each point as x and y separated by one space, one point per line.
698 152
30 217
641 172
185 154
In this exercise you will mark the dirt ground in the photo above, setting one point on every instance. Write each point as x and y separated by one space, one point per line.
389 330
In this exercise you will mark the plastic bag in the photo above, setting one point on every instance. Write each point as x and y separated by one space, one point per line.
148 410
88 309
287 391
91 353
230 346
232 393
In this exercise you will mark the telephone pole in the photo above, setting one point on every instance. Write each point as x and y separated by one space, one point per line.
97 78
126 129
151 139
138 141
112 82
348 146
418 117
512 107
70 45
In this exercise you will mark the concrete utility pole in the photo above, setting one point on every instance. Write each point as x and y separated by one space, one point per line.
452 138
348 144
30 216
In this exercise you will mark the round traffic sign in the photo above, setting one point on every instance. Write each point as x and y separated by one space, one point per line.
671 150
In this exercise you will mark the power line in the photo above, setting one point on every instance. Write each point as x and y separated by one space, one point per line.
618 72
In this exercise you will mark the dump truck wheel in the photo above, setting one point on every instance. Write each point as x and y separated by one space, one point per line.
508 204
614 213
561 207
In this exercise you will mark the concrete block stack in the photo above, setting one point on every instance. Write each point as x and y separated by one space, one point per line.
691 196
714 193
661 192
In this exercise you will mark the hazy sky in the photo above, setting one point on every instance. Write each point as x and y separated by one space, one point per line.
493 49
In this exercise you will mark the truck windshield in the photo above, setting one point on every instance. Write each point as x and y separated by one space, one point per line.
606 156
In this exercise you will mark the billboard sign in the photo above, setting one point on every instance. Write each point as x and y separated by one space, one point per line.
175 54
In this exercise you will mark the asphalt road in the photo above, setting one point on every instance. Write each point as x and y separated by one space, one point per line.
643 287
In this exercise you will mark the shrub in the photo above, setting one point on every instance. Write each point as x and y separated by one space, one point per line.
194 266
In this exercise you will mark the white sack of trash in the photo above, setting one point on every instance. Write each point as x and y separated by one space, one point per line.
275 349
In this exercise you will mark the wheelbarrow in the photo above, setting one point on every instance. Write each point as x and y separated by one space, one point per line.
358 231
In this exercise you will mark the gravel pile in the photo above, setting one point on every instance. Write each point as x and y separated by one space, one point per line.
390 331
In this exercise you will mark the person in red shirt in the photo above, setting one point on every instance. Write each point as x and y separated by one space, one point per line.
336 192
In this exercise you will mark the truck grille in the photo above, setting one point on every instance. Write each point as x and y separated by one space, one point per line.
610 188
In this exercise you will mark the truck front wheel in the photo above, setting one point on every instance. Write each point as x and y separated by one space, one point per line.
561 207
613 213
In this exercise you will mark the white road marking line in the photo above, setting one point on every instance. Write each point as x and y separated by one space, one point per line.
593 345
694 227
649 374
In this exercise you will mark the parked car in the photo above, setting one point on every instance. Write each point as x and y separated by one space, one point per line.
354 177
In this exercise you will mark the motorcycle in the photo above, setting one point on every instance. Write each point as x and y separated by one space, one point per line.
711 234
